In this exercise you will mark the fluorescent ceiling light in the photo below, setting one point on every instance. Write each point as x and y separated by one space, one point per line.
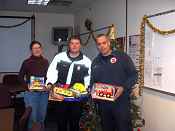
38 2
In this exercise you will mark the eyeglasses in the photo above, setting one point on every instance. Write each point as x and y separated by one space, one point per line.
36 48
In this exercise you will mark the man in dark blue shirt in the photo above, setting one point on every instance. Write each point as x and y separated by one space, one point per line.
114 68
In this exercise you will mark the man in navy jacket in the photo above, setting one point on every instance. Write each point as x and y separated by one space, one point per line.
114 68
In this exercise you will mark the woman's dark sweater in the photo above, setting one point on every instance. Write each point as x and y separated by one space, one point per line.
33 66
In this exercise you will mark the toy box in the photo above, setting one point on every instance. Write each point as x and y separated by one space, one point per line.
72 93
103 91
37 83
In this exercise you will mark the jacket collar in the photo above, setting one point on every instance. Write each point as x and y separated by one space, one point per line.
80 57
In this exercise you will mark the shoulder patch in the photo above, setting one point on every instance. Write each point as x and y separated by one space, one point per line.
113 60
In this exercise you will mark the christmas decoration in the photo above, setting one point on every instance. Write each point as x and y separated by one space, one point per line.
136 115
90 120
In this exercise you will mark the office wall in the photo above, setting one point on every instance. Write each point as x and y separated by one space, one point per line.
158 109
44 24
102 13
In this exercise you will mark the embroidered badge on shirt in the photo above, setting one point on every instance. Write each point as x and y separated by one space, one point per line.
113 60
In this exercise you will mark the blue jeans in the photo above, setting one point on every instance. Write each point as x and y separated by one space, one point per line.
38 101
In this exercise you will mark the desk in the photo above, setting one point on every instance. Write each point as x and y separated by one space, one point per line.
8 98
8 94
13 89
5 99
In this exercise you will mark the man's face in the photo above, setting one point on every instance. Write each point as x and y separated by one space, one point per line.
36 50
74 46
103 45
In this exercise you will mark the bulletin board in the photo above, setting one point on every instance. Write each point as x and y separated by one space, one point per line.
159 54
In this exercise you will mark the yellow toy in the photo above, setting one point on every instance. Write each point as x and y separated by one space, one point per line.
79 87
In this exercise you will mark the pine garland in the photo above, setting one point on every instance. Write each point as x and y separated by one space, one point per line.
90 120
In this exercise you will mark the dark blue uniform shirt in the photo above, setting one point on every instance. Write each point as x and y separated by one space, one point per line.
116 69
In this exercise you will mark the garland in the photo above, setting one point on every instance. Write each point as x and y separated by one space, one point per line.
12 26
142 54
155 29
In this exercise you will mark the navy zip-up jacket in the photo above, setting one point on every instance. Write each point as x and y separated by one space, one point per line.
116 69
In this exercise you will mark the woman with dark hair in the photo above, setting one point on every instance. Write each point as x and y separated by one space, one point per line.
34 67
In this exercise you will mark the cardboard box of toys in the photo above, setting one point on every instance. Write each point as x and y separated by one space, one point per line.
37 84
103 91
72 93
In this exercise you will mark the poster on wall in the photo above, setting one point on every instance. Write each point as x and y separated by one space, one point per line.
148 61
133 49
153 60
120 46
134 52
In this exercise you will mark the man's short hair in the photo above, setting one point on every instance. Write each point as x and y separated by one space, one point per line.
33 43
76 37
100 35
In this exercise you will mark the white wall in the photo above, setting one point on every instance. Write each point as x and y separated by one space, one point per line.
44 24
158 109
102 13
138 8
